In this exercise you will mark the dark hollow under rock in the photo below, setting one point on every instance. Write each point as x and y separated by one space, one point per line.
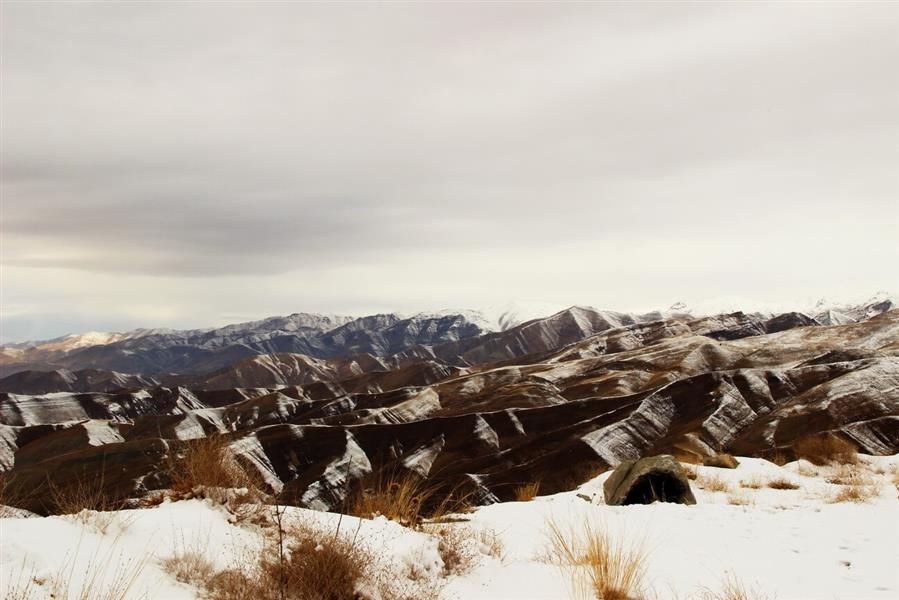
648 480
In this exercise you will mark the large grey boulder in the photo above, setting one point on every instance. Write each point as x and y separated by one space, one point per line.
647 480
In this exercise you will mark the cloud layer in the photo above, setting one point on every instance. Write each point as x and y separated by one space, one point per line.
183 164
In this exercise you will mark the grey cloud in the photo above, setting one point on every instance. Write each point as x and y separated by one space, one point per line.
202 139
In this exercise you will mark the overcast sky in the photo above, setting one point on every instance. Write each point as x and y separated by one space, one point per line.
192 164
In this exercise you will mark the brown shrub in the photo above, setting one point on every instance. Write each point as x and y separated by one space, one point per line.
207 462
825 449
407 499
300 563
712 483
400 498
189 566
782 483
527 492
599 566
311 565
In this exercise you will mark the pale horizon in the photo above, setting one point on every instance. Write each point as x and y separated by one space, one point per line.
194 164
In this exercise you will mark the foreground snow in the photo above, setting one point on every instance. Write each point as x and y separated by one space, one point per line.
787 543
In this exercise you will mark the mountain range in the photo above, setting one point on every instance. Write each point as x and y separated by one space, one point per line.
551 399
105 361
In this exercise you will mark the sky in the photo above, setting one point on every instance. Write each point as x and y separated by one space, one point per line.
194 164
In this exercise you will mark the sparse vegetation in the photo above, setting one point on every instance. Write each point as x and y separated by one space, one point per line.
300 563
739 499
782 483
460 545
731 589
753 483
600 566
207 463
400 498
407 499
85 493
527 492
825 449
712 483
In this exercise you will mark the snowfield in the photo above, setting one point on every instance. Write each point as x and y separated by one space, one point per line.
785 543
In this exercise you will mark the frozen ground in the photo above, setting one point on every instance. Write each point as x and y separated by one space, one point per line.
789 544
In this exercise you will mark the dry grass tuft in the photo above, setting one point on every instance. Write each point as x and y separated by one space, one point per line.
456 549
825 449
400 498
301 563
712 483
738 499
190 567
782 483
407 499
731 589
460 546
855 487
527 492
209 463
599 566
312 566
753 483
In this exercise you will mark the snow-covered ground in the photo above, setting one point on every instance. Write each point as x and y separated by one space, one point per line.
789 544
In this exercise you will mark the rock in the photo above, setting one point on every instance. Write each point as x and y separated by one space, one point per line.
648 480
723 461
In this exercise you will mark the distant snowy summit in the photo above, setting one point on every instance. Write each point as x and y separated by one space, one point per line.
823 310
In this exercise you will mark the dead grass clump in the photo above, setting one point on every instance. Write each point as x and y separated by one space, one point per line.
457 549
400 498
753 483
599 566
712 483
825 449
190 567
738 499
84 493
527 492
782 483
407 499
460 545
207 462
857 488
731 589
311 565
